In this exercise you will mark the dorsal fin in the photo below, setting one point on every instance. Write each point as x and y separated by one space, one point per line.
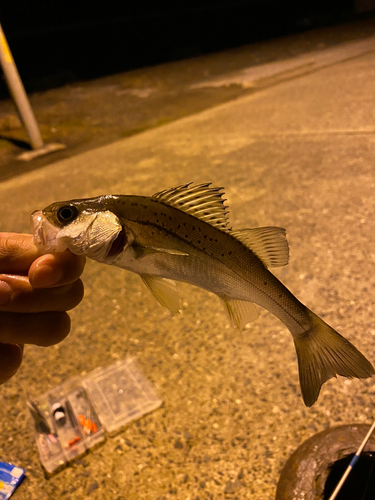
201 201
268 243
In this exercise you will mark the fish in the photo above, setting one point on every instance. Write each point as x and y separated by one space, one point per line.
183 234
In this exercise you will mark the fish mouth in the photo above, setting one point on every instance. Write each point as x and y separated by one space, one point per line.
118 244
45 234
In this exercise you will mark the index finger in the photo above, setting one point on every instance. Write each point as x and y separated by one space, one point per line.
17 252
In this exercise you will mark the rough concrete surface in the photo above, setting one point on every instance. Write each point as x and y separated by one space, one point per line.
298 155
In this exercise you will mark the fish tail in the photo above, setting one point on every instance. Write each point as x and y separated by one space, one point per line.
323 353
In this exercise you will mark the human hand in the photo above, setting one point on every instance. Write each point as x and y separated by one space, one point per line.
35 293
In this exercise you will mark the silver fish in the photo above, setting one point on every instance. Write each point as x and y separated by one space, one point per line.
183 234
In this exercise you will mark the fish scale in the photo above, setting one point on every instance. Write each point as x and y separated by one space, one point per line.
205 238
183 234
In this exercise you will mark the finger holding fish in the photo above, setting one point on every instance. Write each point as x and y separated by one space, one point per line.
25 273
19 296
19 256
31 313
43 329
17 252
53 270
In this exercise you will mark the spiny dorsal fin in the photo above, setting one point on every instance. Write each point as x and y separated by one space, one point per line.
201 201
240 312
268 243
164 290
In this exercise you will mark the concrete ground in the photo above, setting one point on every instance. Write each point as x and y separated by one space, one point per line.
297 154
85 115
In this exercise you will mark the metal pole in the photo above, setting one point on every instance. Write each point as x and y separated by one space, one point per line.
18 93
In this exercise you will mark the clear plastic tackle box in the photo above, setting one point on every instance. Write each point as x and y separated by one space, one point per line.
74 417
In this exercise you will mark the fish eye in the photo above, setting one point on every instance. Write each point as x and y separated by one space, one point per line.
67 213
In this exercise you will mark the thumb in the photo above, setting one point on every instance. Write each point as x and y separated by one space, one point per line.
17 252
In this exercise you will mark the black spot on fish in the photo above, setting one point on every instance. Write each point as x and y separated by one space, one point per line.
210 239
216 240
199 242
205 236
178 227
230 253
265 283
193 228
186 235
222 255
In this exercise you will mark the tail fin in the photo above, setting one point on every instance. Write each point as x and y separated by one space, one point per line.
323 353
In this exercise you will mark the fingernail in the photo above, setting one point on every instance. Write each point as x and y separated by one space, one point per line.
45 275
5 293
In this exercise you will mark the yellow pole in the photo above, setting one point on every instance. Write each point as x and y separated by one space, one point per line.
18 93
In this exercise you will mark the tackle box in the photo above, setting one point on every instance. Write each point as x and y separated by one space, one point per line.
74 417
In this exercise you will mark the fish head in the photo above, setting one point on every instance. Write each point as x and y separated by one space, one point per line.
82 226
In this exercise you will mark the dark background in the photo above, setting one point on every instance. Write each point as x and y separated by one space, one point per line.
54 43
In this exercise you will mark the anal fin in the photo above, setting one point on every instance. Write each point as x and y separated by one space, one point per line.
164 290
240 312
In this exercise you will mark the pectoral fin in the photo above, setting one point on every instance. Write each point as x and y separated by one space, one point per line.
164 290
240 312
